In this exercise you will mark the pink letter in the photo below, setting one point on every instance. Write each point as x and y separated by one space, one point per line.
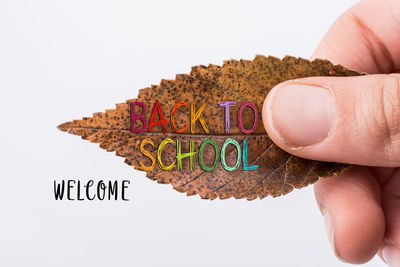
253 107
139 116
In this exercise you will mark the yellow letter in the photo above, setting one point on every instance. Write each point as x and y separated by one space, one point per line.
148 154
159 151
194 116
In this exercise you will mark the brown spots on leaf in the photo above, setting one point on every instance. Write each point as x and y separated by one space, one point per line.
236 80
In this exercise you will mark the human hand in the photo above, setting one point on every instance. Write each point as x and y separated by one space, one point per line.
352 120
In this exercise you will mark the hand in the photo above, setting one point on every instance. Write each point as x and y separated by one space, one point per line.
351 120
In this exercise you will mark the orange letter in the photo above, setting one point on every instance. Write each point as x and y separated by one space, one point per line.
174 109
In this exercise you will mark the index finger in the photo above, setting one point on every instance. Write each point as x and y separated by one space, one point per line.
365 38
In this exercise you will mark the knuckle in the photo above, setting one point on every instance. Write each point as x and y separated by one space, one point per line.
388 115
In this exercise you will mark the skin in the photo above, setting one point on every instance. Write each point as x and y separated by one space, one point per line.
361 206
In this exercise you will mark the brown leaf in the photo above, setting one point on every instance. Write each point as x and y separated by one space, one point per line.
238 81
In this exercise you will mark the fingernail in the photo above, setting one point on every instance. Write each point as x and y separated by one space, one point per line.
391 255
300 115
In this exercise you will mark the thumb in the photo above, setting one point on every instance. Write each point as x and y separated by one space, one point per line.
352 120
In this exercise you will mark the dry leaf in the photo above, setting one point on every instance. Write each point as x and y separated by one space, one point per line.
238 81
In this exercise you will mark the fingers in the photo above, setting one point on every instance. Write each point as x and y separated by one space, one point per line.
365 38
391 206
354 219
342 119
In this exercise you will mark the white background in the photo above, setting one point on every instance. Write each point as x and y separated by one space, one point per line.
62 60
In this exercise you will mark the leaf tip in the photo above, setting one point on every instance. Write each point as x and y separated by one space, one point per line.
64 126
